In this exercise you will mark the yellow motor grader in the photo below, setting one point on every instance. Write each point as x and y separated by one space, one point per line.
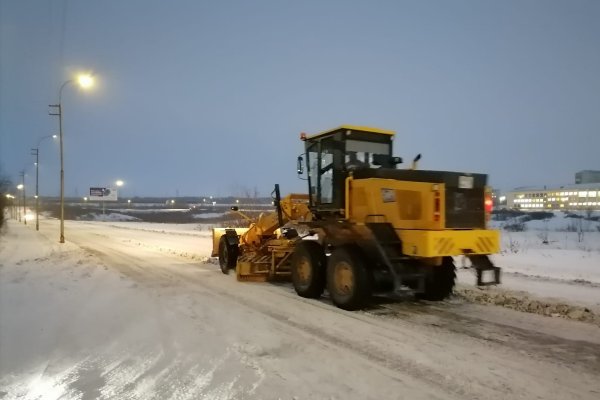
368 226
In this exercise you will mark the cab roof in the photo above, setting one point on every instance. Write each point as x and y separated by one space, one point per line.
367 129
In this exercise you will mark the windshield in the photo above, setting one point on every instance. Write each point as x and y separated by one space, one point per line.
359 153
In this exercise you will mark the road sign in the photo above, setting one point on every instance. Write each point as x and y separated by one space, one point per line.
103 194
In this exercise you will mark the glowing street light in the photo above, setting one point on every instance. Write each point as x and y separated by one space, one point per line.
84 81
12 205
118 183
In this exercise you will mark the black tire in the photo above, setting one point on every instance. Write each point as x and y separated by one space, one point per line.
348 281
308 269
227 255
439 281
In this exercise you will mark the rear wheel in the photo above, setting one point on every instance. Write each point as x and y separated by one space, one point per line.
308 269
228 255
439 281
348 281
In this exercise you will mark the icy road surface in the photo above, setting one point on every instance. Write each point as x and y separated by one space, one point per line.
134 314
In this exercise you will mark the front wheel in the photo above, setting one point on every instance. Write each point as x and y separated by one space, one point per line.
439 281
348 281
228 255
308 269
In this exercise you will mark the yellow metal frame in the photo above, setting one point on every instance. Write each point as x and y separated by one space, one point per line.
266 266
352 128
423 243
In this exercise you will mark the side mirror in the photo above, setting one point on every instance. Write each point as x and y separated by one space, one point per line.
396 160
235 208
417 158
383 160
300 166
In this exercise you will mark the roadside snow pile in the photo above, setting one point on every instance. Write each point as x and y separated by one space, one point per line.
151 210
556 255
107 217
208 215
555 245
522 301
550 265
188 229
557 221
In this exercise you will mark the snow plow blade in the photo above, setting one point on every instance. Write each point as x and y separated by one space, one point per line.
216 236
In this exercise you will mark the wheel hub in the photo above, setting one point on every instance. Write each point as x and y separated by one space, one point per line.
304 271
344 278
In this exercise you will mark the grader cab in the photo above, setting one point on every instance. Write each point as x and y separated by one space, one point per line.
373 227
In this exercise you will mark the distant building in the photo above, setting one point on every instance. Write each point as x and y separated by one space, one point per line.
587 176
585 196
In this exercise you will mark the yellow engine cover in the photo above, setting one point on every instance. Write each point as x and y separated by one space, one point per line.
378 200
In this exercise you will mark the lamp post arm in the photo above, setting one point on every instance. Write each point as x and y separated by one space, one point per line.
42 138
61 90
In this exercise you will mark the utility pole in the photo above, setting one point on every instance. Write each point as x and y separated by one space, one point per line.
36 152
58 107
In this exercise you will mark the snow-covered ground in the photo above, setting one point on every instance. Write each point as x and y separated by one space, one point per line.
131 310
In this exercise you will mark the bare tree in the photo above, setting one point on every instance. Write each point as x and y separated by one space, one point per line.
4 185
251 194
580 230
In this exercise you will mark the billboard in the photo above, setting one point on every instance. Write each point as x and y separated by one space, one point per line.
103 194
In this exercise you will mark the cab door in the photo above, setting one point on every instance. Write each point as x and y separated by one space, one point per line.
324 159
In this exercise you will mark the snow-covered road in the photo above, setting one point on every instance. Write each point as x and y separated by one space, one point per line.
135 314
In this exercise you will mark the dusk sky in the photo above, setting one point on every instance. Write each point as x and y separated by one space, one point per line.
209 97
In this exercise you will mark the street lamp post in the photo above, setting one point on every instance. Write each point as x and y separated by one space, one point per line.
18 205
84 81
22 187
36 152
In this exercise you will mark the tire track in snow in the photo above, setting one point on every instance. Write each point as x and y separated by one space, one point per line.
392 363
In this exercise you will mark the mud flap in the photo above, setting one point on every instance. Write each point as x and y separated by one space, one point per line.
482 263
